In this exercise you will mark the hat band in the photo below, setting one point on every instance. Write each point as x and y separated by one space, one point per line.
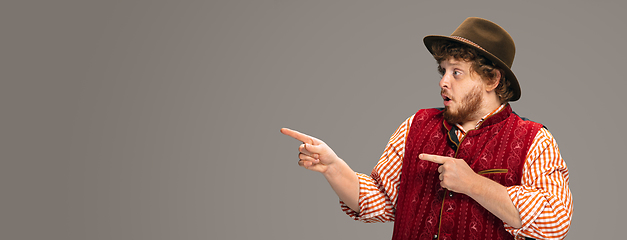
468 41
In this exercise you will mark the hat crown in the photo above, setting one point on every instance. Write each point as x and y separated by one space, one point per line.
489 36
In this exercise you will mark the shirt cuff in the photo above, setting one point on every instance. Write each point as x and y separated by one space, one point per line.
529 203
364 182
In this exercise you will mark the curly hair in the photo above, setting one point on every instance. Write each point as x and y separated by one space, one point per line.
484 67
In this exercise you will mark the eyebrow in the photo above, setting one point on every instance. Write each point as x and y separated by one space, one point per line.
453 64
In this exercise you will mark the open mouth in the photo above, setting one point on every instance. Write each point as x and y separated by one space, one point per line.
446 99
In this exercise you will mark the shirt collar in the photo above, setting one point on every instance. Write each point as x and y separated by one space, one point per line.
482 119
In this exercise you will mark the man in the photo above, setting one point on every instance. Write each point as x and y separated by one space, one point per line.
472 170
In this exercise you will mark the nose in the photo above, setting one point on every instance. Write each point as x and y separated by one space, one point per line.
444 82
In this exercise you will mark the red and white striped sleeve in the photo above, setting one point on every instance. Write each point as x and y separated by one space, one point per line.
378 192
544 199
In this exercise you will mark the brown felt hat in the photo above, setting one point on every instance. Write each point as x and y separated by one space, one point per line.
490 40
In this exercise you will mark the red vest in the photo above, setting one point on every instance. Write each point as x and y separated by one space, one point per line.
496 150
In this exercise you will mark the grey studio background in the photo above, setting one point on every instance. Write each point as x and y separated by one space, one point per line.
160 119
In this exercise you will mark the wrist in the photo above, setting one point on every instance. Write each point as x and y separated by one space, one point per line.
333 169
476 186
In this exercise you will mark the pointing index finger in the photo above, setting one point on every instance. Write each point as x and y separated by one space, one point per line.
298 136
432 158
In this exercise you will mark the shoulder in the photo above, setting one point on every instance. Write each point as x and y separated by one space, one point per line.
428 112
544 136
527 121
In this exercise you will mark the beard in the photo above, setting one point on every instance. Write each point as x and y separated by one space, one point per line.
466 108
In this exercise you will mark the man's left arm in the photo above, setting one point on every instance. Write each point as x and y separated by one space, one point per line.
544 200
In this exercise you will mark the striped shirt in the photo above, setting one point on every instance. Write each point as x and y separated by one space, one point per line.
543 200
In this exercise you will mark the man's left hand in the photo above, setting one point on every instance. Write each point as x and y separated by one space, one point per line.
455 174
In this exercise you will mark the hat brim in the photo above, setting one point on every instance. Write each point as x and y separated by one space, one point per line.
509 75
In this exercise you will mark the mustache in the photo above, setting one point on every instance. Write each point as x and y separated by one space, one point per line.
443 92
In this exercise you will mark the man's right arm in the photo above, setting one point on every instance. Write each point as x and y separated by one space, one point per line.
379 191
365 198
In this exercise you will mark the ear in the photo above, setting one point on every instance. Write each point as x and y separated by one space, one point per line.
495 81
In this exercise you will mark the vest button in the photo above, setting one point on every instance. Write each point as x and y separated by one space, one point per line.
435 236
450 194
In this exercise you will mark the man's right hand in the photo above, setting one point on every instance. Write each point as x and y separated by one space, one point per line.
314 154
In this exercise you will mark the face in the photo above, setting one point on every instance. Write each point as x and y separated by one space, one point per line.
462 91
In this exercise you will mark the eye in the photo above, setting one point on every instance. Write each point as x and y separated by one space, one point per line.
441 71
457 73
